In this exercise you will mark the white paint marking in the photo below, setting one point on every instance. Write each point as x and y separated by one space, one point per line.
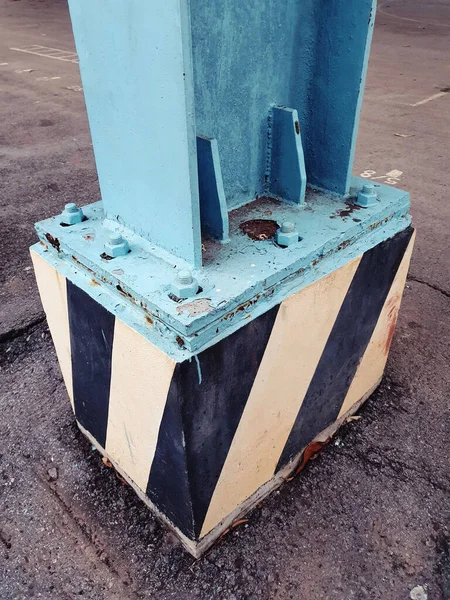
3 64
430 99
395 173
48 52
423 23
368 173
45 78
392 177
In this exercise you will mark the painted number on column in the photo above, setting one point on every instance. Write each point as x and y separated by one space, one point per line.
392 177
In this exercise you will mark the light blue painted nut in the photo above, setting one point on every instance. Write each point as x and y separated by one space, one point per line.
287 234
71 214
367 196
185 285
116 246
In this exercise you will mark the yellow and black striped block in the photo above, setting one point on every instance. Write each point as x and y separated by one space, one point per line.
204 439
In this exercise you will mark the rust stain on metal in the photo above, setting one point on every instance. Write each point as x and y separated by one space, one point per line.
346 212
75 259
259 229
93 282
343 245
149 321
256 206
89 237
174 298
180 341
297 127
378 223
196 307
53 242
123 292
259 199
241 308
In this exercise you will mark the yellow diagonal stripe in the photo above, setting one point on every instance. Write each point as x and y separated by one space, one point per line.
298 338
53 293
140 380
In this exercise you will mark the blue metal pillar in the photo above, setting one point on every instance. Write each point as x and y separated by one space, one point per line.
233 295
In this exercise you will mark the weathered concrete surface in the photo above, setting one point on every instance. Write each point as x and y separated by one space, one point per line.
46 155
410 63
367 519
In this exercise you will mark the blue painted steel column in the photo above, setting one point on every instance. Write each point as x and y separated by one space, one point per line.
136 68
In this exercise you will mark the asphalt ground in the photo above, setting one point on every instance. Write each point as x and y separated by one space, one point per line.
368 518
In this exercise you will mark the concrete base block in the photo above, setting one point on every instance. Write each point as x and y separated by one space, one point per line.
197 549
203 437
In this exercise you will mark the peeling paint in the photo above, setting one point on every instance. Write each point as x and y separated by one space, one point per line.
196 307
199 369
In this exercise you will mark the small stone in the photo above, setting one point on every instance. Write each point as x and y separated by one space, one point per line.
418 593
52 474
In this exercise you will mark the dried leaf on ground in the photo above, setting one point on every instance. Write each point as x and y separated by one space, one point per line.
353 418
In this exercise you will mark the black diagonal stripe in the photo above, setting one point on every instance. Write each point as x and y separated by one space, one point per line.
91 340
347 342
204 406
168 484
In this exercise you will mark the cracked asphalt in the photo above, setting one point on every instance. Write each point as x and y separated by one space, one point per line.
368 518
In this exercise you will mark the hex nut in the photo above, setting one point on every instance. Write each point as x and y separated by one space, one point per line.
71 215
287 235
185 285
116 246
367 196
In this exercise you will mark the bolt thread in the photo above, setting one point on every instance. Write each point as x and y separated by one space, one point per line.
71 207
287 227
368 188
184 277
115 239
